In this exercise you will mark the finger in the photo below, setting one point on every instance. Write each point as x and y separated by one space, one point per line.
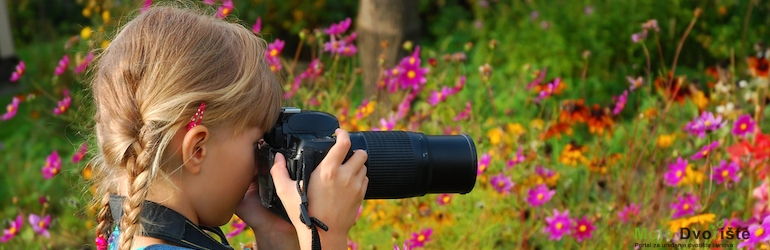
338 151
361 175
280 174
357 160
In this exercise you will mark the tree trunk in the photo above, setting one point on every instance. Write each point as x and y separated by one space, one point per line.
378 21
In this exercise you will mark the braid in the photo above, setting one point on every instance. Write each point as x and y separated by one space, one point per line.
103 218
139 177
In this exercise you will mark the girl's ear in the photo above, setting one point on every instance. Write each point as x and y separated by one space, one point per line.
194 148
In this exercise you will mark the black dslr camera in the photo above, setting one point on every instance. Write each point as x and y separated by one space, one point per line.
400 165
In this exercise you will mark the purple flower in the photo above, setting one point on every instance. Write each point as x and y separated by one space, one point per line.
501 183
82 66
257 26
676 172
583 229
548 90
62 106
13 230
80 154
348 49
706 122
338 28
146 5
465 114
238 225
638 37
539 195
758 233
225 9
705 150
11 109
635 83
743 125
387 124
272 56
625 214
65 60
52 165
544 172
726 171
408 72
443 199
518 158
685 205
20 68
621 103
419 239
537 80
40 225
483 163
558 225
439 96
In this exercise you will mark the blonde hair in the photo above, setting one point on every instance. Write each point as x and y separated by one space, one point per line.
151 80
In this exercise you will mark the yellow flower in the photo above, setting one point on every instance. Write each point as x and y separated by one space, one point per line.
105 44
495 136
515 129
86 33
700 100
87 12
665 141
537 124
572 155
678 224
692 176
703 219
106 16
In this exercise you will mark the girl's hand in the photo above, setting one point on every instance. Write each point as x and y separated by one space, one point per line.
335 193
271 231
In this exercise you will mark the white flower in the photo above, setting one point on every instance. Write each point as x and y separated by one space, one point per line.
743 84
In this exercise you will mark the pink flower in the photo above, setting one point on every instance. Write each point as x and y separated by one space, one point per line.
439 96
621 103
408 72
518 158
294 87
705 150
387 124
62 106
743 125
631 210
651 24
465 114
537 80
19 71
548 90
676 172
348 50
146 5
583 229
443 199
638 37
725 172
404 247
635 83
82 66
706 122
11 109
419 239
483 163
52 166
225 9
238 227
334 46
80 154
62 65
539 195
757 233
257 26
352 245
40 225
685 205
558 225
338 28
501 183
12 231
273 52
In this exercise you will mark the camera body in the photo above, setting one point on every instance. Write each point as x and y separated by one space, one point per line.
400 164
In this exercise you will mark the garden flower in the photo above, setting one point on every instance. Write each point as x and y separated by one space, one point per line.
518 158
404 247
80 154
238 226
558 225
439 96
257 26
583 229
419 239
572 155
411 75
501 183
484 163
651 24
725 171
685 205
52 165
334 46
743 125
387 124
348 49
759 66
12 231
314 70
705 150
443 199
82 66
225 9
11 109
539 79
338 28
145 6
352 245
62 106
552 87
65 60
574 112
631 210
274 51
40 225
20 68
638 37
635 82
539 195
465 114
758 233
600 121
293 88
621 103
549 176
676 172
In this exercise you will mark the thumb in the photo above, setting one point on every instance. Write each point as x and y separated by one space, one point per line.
280 174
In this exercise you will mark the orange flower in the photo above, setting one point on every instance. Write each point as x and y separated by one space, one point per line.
759 66
556 130
572 155
574 112
678 88
600 120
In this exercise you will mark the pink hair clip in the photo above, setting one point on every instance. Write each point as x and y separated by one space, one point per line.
197 118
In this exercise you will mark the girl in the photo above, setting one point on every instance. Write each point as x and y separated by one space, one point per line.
163 71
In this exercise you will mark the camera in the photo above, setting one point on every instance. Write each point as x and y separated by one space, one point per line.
401 164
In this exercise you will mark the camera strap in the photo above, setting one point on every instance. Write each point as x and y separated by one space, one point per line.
310 222
163 223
